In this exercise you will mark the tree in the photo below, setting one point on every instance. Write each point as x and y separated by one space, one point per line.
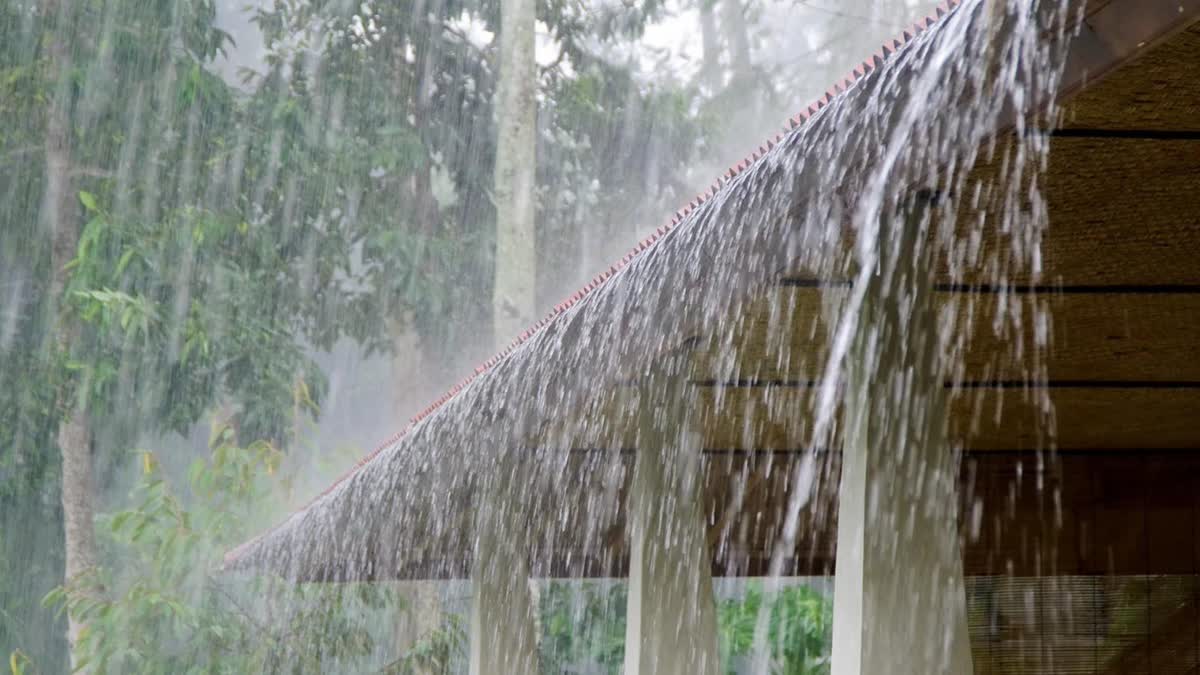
514 292
733 20
424 154
710 69
187 289
74 436
163 610
44 80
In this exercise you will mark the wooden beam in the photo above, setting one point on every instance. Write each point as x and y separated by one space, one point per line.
1083 417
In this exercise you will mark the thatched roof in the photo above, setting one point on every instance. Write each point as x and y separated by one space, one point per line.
1119 269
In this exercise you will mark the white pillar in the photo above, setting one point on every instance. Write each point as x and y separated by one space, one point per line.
899 595
671 625
502 631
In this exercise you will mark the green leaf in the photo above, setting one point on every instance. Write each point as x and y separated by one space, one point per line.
124 261
54 597
17 662
119 521
89 201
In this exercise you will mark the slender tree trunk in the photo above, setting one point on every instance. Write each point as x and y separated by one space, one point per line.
503 633
711 67
733 19
513 294
62 218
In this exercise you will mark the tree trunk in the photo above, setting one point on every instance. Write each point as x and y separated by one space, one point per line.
513 294
733 19
503 636
710 73
62 219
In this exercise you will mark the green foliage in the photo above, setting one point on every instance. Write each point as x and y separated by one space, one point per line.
607 142
368 131
583 622
799 629
583 625
176 326
19 663
163 607
435 652
124 57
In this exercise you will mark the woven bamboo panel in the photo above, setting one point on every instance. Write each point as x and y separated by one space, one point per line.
1077 625
1157 91
1122 211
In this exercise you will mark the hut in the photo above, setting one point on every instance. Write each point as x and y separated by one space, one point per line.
935 339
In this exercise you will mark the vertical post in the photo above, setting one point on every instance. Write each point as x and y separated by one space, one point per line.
899 596
502 635
671 625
